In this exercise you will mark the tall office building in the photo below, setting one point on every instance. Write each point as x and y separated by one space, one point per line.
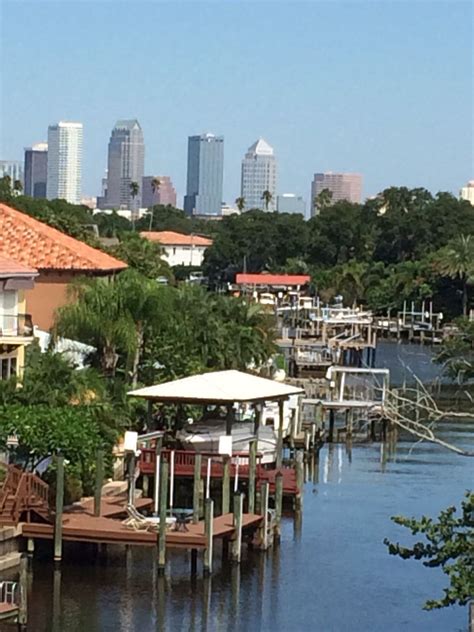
126 161
36 170
13 169
165 194
343 186
290 203
467 192
205 175
64 162
259 175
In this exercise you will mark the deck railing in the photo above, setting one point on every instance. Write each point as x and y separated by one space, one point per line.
9 592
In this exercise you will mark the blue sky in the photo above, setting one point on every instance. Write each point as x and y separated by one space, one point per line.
382 88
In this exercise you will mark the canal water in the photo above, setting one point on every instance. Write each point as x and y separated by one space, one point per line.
331 572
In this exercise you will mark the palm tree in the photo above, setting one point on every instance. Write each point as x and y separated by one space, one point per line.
267 197
155 186
17 187
113 317
323 200
240 203
456 260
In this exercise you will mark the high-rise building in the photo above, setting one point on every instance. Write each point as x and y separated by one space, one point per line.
259 175
165 194
205 175
36 170
467 192
13 169
126 163
290 203
64 162
343 186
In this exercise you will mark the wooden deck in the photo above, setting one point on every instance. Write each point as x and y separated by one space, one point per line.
184 468
80 525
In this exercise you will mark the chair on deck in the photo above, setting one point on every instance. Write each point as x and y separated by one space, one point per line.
139 522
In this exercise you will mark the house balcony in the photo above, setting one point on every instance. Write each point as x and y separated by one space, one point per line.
16 329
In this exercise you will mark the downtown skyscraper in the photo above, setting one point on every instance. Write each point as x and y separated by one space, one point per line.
64 162
259 170
126 163
343 186
205 175
36 170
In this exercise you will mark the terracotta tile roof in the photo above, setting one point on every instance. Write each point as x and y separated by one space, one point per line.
11 268
273 279
33 243
170 238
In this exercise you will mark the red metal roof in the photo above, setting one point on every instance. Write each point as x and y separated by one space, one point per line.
33 243
272 279
9 267
171 238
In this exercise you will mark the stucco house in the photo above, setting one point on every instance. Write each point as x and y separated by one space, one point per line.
57 258
180 249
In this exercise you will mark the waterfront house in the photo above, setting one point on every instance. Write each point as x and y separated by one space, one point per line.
180 249
58 258
16 326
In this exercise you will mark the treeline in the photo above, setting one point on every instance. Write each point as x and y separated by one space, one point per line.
405 244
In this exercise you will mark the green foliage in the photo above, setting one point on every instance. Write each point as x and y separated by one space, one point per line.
449 544
457 352
456 260
142 255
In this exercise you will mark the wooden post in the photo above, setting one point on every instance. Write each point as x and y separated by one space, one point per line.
156 490
252 474
163 505
209 532
131 478
299 480
258 414
56 601
197 488
23 605
278 504
264 493
281 414
58 519
99 479
237 541
226 485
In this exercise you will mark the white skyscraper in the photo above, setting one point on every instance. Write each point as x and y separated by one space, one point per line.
64 162
467 192
259 175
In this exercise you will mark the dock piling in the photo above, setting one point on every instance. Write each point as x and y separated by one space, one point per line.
197 488
281 418
226 484
23 605
209 532
58 519
237 541
99 479
252 474
278 505
163 504
299 466
264 496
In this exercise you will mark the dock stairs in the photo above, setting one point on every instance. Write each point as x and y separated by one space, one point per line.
23 497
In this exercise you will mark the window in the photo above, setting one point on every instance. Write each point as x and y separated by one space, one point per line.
7 367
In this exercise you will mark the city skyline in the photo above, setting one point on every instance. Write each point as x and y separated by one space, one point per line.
397 110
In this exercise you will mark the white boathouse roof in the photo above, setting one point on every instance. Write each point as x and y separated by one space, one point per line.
225 387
